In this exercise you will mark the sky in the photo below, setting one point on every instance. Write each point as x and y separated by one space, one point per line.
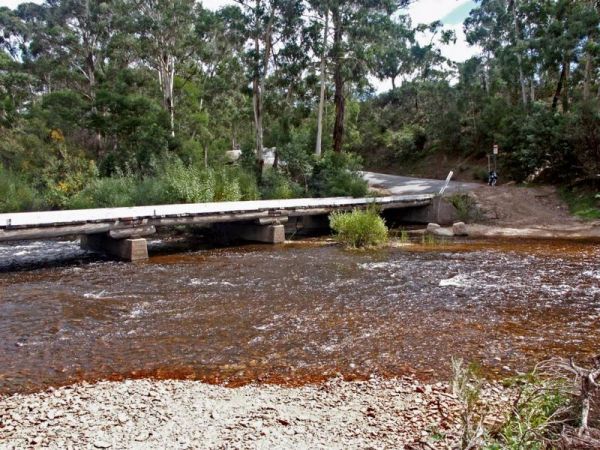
451 12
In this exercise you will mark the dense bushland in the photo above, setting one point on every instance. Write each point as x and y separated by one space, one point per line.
101 102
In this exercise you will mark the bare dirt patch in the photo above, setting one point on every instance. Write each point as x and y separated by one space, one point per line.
532 212
523 206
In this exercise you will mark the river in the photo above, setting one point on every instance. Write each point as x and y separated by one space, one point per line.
294 313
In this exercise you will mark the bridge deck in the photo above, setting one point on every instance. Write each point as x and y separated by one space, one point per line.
86 221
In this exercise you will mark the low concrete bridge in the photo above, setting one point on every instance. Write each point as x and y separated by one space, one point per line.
120 231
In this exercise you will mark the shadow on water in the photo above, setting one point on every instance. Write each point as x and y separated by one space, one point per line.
292 314
60 253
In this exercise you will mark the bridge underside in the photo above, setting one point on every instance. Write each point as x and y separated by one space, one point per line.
124 237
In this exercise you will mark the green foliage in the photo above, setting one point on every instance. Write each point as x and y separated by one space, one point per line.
246 181
276 185
429 239
359 229
188 184
105 192
541 403
582 203
123 86
336 174
16 194
65 175
533 419
139 125
466 386
174 182
408 142
466 207
404 238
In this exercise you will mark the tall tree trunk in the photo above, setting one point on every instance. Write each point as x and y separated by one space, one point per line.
91 75
589 59
486 74
257 105
340 101
257 96
565 91
322 94
559 87
517 31
587 82
166 78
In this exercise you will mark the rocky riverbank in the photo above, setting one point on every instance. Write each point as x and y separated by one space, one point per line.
146 414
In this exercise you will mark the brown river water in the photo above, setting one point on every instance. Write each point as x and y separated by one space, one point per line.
292 314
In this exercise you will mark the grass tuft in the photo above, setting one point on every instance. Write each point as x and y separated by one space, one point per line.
359 229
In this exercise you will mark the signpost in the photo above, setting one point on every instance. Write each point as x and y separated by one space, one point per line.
493 173
448 178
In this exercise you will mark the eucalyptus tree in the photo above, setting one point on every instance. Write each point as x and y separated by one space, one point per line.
271 26
357 26
393 56
165 32
321 9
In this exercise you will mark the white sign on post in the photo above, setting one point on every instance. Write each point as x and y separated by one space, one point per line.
495 149
448 178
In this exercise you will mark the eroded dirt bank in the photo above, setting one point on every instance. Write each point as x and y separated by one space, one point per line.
143 414
525 212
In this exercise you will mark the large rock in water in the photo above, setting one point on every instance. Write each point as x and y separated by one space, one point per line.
432 227
436 230
460 229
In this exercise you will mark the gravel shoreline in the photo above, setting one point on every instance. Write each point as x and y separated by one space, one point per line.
147 414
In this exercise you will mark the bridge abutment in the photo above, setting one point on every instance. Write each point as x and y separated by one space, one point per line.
440 211
128 249
268 234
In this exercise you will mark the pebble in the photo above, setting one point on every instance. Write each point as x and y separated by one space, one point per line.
378 413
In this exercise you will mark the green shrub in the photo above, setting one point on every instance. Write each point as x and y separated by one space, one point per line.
533 422
466 207
248 186
408 142
336 175
359 228
16 194
65 175
582 203
227 188
540 407
276 185
187 184
151 191
106 193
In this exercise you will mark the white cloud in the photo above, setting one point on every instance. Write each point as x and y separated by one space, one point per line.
214 4
460 51
426 11
13 3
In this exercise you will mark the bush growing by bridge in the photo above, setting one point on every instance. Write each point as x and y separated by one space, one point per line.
16 194
359 229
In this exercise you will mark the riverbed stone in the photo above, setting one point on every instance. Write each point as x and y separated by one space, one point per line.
353 414
437 230
432 227
460 229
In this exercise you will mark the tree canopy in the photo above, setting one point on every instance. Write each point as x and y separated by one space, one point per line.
91 89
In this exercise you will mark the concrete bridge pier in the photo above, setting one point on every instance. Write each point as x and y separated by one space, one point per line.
266 230
268 234
124 245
